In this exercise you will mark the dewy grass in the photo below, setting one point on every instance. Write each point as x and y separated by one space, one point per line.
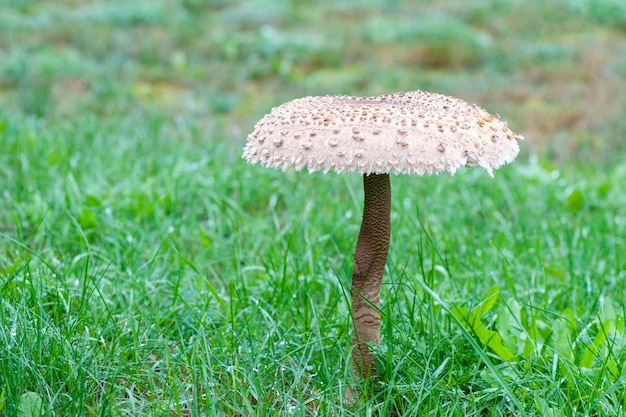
215 299
146 270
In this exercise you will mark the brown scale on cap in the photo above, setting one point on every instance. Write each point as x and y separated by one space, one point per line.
402 133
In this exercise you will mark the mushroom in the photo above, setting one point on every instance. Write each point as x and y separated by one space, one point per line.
402 133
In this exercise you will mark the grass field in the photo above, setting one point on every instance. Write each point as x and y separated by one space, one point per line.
147 270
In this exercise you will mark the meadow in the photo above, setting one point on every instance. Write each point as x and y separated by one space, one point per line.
147 270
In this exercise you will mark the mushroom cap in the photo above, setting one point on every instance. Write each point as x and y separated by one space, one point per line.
412 133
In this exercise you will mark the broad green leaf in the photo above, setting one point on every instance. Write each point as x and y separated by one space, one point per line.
607 310
562 336
1 399
487 337
508 324
529 349
593 350
461 314
569 315
92 200
575 200
489 301
30 405
605 187
88 219
613 368
545 410
505 321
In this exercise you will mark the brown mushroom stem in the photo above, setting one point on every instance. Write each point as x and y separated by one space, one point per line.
370 257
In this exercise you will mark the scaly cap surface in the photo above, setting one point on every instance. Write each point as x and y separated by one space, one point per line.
402 133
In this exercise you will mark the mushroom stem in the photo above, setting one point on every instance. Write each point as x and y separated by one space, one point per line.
370 257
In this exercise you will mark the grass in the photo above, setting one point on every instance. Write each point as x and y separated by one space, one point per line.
146 270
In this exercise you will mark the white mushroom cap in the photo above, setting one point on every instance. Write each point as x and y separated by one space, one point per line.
412 133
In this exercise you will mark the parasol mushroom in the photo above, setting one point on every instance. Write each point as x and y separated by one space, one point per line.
402 133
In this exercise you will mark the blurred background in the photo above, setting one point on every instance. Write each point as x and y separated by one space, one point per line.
555 69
